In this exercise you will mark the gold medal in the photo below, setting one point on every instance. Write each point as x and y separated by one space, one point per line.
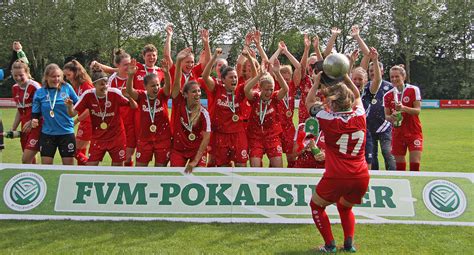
235 118
103 125
51 113
374 101
153 128
192 137
288 113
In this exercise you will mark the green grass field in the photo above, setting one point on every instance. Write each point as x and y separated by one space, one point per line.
448 147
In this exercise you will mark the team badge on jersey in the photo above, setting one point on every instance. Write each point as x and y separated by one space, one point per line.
406 99
108 104
63 95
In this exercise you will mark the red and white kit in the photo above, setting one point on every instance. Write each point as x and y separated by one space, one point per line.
229 140
23 98
129 116
346 172
84 130
154 138
409 134
108 134
187 136
264 127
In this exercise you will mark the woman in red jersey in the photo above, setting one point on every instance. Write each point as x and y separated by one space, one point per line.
22 93
402 107
229 137
81 82
108 133
154 136
346 178
264 126
191 121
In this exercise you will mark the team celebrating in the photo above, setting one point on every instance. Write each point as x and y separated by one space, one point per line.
123 110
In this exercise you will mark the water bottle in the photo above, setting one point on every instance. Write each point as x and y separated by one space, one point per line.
13 134
398 120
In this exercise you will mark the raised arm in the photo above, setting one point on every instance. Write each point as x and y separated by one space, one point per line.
282 47
332 40
252 82
311 99
258 40
178 71
165 67
132 70
355 33
297 76
354 89
317 50
206 74
206 56
283 85
377 81
107 69
167 46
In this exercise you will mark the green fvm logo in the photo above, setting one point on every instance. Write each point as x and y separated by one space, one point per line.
24 191
444 199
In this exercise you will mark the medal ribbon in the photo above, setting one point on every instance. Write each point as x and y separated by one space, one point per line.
152 114
262 116
100 108
231 106
54 100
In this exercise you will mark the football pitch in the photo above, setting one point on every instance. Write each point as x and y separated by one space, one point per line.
448 147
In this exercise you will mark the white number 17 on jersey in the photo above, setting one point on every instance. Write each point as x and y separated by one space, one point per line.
344 140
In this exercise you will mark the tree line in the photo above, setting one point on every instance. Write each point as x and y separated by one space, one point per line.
433 40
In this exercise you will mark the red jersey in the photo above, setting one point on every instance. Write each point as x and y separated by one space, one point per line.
269 124
195 73
161 119
181 132
105 109
222 118
23 98
126 113
344 137
286 108
142 72
210 95
305 86
411 123
79 91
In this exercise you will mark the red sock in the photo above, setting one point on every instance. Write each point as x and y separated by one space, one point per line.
291 164
414 166
401 166
129 163
321 220
81 157
347 220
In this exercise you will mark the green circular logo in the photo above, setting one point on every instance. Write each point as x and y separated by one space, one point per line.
444 199
24 191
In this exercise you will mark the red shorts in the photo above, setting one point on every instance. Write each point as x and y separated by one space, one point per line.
115 148
269 145
230 147
352 190
84 131
160 149
180 158
29 141
400 144
307 160
287 137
